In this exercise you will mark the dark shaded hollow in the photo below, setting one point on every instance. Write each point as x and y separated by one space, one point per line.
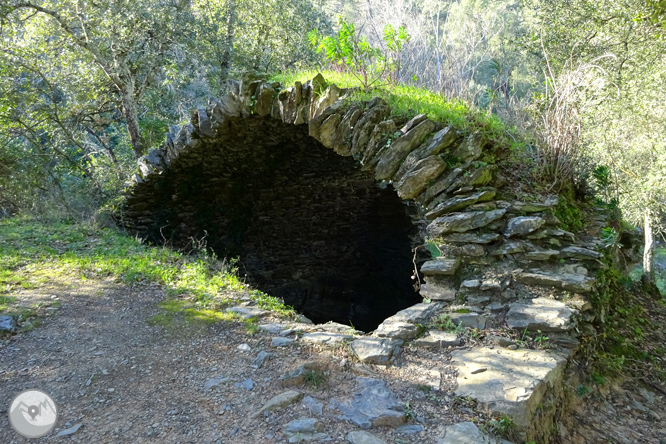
308 225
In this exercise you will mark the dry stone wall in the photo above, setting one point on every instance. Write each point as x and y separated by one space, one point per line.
486 260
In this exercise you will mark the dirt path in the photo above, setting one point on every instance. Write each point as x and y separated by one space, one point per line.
127 381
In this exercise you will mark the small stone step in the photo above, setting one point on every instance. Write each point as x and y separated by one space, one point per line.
438 339
380 351
541 314
507 382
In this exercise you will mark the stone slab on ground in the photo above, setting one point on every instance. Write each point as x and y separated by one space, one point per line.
298 375
279 341
7 323
325 338
467 433
379 351
565 281
304 429
397 330
506 382
361 437
278 402
438 339
417 314
373 405
248 312
540 314
273 328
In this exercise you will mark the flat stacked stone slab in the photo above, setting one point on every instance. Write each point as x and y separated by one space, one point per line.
512 383
462 222
438 291
522 226
403 324
440 267
565 281
541 314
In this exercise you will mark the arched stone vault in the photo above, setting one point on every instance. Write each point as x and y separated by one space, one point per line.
291 182
325 200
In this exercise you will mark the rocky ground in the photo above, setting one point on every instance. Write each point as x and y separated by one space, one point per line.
123 380
116 378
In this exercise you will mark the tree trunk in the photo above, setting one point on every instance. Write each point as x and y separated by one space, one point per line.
228 52
648 252
132 121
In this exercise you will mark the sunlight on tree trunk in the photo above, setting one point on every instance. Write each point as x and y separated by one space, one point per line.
648 262
132 122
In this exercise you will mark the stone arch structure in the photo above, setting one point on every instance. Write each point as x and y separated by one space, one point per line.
297 183
326 201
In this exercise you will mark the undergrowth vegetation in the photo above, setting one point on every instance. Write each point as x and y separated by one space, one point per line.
35 254
630 338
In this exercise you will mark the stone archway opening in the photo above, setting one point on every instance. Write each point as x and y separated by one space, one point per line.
307 224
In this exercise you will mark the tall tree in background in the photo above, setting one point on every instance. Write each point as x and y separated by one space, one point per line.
128 44
623 129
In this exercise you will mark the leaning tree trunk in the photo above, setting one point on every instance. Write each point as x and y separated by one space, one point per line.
132 119
648 252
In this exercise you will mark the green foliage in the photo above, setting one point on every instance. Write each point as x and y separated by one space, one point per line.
370 65
444 322
315 377
502 426
568 212
198 286
408 101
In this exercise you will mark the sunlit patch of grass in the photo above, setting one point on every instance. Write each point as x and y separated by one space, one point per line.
182 315
408 101
5 302
34 255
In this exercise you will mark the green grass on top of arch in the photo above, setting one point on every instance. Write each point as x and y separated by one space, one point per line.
409 101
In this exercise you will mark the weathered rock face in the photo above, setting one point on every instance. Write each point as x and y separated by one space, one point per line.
511 383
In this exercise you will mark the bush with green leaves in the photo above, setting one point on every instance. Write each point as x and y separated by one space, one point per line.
370 65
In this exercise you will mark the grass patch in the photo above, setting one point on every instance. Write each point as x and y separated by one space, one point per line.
408 101
36 254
